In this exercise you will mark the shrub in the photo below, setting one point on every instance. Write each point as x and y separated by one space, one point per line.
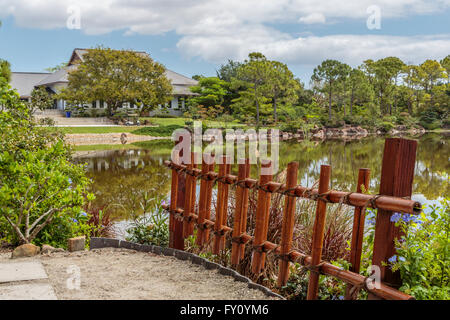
385 126
152 227
423 254
165 131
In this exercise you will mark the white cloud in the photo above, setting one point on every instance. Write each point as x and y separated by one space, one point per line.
313 18
219 29
311 50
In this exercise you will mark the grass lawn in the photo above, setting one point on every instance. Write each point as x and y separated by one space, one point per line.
181 122
75 130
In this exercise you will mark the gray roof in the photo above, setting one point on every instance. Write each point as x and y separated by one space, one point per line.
61 75
24 82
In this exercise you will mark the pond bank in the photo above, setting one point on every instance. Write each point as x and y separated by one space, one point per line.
107 138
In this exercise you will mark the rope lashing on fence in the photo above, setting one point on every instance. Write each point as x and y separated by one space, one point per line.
355 199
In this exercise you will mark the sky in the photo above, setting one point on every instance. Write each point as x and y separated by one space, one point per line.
197 36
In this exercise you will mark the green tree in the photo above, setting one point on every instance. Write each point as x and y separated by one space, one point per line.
117 77
5 70
57 67
433 72
327 75
211 92
40 99
445 63
281 86
359 88
254 72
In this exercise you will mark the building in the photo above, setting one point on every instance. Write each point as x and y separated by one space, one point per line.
25 82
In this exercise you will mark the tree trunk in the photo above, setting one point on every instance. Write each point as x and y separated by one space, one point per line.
275 116
351 101
329 104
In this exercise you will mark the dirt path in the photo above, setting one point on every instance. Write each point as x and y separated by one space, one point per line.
126 274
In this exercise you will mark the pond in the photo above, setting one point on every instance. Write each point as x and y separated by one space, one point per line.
123 173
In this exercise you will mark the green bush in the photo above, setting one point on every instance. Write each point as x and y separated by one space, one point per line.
423 255
41 191
151 228
162 131
385 126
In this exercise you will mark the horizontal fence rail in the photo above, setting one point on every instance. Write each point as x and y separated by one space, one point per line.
184 218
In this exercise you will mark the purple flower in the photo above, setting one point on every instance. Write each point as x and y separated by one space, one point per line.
402 259
392 259
163 203
84 214
75 220
341 297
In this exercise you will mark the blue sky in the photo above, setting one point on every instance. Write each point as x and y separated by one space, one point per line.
196 36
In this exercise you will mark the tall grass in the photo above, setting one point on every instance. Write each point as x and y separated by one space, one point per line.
338 230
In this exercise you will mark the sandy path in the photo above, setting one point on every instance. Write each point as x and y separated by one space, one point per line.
126 274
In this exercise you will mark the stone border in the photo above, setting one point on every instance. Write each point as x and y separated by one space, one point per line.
98 243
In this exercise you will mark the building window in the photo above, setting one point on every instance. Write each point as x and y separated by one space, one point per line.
94 104
180 102
169 105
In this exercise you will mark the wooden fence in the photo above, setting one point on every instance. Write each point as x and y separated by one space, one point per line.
395 190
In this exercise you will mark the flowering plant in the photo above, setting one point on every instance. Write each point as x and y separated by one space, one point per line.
423 257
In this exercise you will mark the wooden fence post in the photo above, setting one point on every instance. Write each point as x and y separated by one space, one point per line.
318 233
262 220
205 199
240 216
397 175
173 206
358 228
178 202
188 200
222 206
287 231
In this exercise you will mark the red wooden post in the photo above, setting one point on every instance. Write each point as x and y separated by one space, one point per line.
202 202
358 227
318 232
222 206
209 190
188 201
173 206
240 212
178 202
288 224
262 220
397 175
190 227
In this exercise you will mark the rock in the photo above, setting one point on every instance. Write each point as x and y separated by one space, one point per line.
25 250
76 244
49 249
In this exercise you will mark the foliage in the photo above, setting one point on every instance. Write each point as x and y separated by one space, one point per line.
152 227
116 77
423 254
5 70
210 92
40 189
40 99
162 131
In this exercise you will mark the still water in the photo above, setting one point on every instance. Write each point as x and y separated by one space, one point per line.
121 176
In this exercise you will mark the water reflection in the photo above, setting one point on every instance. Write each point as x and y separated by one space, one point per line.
120 176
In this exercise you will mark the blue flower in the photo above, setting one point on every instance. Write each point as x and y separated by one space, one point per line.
84 214
341 297
396 217
402 259
392 259
75 220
